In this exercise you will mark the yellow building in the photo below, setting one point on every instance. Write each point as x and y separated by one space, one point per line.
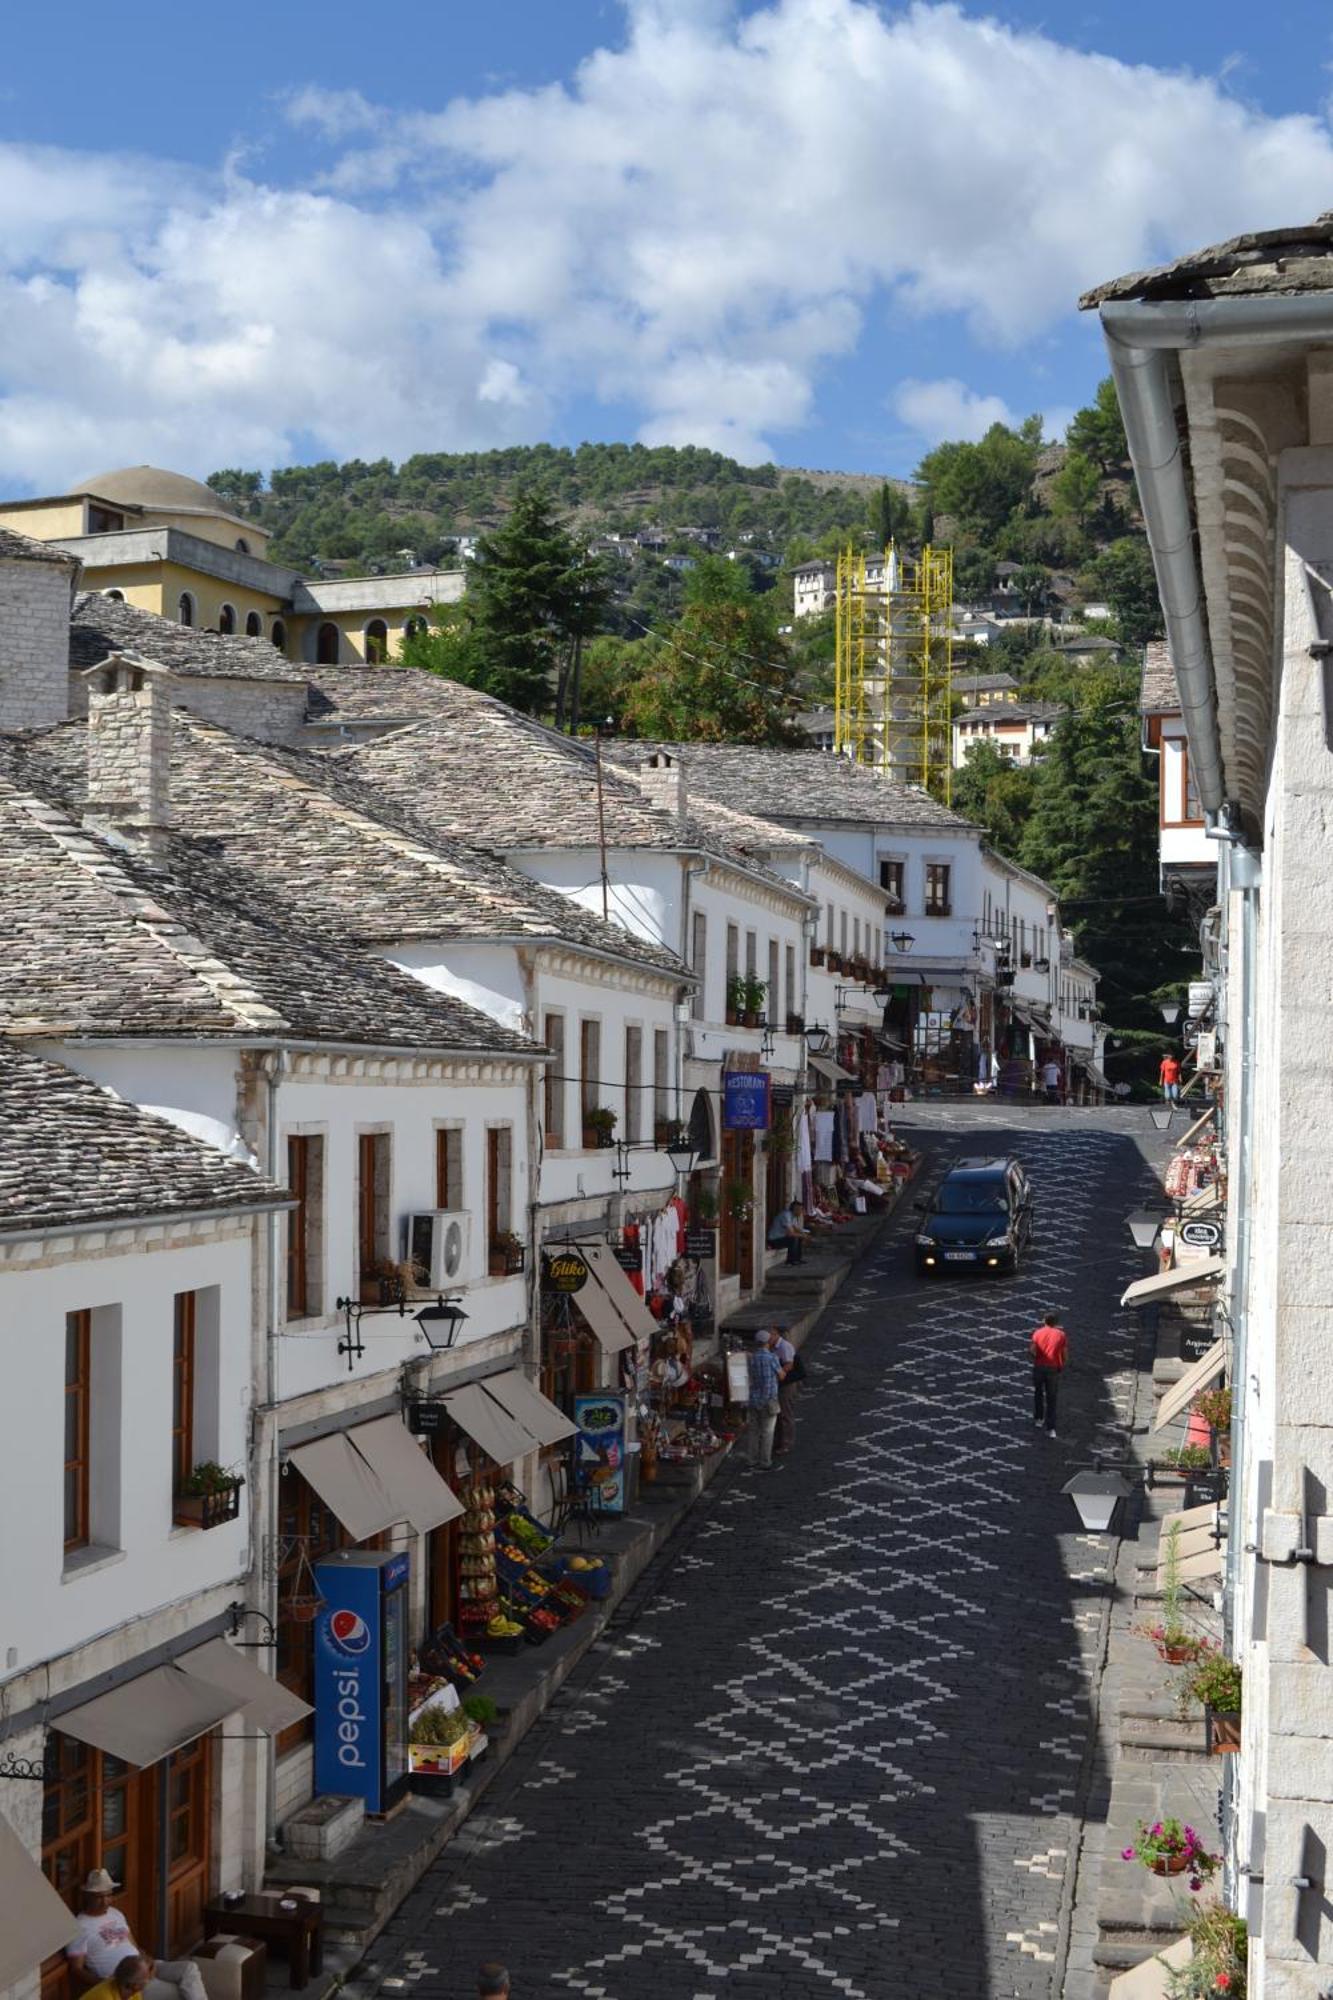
167 544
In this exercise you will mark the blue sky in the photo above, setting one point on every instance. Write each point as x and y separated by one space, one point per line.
811 229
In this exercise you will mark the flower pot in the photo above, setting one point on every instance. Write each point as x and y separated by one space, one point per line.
208 1510
1222 1729
1169 1864
1179 1656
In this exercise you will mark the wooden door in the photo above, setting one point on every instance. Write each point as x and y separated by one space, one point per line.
745 1246
98 1812
186 1785
728 1234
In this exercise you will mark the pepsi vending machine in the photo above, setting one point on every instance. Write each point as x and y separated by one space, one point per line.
361 1676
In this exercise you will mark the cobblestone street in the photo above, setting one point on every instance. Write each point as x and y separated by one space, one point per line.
834 1742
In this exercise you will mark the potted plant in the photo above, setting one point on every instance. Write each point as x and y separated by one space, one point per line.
1214 1406
1220 1943
736 987
599 1125
208 1496
1169 1847
817 954
739 1201
506 1255
705 1205
796 1024
1216 1682
1188 1457
1175 1643
752 1012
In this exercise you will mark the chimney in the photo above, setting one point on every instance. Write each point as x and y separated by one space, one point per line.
662 783
37 582
129 748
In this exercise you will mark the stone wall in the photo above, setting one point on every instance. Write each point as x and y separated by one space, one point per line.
269 711
129 744
34 643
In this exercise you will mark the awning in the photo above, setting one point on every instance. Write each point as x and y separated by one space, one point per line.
1204 1201
1151 1980
613 1335
525 1402
1099 1077
1197 1126
832 1072
1196 1378
162 1710
263 1701
500 1436
373 1476
1183 1278
34 1922
631 1308
413 1485
1198 1552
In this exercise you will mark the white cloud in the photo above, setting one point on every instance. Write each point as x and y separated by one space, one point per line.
947 409
693 229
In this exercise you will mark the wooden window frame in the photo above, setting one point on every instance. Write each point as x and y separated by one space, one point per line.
661 1076
936 904
699 964
590 1064
499 1182
373 1246
184 1359
298 1238
553 1081
449 1167
79 1327
633 1126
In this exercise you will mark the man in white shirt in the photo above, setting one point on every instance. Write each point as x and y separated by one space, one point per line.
104 1939
1050 1076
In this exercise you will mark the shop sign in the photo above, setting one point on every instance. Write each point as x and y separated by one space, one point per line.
564 1271
700 1243
1203 1235
629 1257
1196 1341
738 1377
599 1449
426 1419
746 1100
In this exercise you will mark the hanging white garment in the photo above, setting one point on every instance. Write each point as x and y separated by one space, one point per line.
824 1135
804 1156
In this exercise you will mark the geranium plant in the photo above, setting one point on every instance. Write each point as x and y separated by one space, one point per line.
1219 1962
1174 1642
1216 1682
1214 1406
1168 1847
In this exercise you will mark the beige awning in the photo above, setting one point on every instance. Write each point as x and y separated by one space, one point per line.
595 1304
1195 1379
149 1717
500 1436
34 1922
831 1071
262 1701
345 1482
1197 1126
614 1282
1182 1278
526 1404
1204 1201
413 1485
1151 1979
1197 1557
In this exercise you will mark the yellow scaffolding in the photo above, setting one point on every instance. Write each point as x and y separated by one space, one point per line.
894 665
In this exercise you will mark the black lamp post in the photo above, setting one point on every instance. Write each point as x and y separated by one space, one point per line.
1170 1012
902 941
1143 1228
817 1041
683 1154
439 1323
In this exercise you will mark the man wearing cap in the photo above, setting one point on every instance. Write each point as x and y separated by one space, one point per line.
791 1370
765 1385
104 1941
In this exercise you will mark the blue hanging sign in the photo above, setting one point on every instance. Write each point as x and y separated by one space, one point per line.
746 1100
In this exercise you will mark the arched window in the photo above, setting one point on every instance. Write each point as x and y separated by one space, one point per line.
185 608
116 596
377 642
413 626
326 646
227 619
254 625
702 1136
279 635
243 545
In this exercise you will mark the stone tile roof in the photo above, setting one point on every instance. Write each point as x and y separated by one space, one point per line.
376 694
72 1153
1158 693
482 768
100 625
997 713
306 831
1298 258
104 941
794 786
24 548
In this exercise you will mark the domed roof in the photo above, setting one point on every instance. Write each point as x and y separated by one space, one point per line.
148 486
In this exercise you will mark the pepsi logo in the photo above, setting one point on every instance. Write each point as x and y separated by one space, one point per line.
349 1632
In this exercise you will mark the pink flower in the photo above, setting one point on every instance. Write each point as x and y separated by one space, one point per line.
1195 1883
1222 1982
1128 1854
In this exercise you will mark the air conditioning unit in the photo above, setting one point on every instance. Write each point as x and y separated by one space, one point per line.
435 1243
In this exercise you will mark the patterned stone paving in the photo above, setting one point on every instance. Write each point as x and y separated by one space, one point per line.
833 1743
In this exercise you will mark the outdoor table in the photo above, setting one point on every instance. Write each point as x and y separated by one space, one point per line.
299 1931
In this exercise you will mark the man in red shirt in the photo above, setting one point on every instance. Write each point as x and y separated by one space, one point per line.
1169 1076
1050 1352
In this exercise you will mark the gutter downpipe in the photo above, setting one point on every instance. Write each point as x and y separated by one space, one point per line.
275 1069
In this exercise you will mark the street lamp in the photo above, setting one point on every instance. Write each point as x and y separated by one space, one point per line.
1161 1115
682 1153
1170 1012
1096 1495
440 1323
901 941
1143 1228
817 1041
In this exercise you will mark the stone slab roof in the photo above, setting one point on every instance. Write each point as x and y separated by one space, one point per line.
1295 259
24 548
376 694
481 767
1158 693
999 712
306 830
72 1153
100 625
104 941
794 786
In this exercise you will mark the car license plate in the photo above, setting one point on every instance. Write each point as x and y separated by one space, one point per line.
960 1256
